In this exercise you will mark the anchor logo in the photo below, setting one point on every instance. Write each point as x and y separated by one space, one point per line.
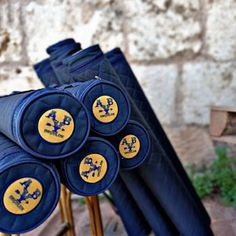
129 146
93 168
56 125
105 109
23 195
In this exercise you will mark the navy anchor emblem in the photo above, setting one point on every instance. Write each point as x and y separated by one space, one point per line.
129 145
56 124
105 108
25 195
93 167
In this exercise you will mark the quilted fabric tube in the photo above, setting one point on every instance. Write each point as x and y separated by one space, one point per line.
158 172
29 189
127 77
92 170
133 219
108 105
148 205
133 144
47 123
48 69
60 51
45 72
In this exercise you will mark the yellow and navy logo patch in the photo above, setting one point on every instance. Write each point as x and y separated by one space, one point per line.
105 109
129 146
23 195
56 125
93 168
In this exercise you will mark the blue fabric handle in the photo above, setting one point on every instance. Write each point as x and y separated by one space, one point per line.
168 187
17 214
32 120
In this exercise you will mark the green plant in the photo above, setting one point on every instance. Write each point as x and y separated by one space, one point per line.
218 178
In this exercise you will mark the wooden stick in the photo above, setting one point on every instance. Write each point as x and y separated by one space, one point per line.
62 214
70 213
91 216
66 210
97 213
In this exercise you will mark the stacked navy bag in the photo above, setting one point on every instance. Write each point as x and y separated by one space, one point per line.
122 198
128 79
92 170
29 189
47 123
168 186
107 104
133 219
58 51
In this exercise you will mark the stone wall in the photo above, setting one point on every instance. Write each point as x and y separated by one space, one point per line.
182 51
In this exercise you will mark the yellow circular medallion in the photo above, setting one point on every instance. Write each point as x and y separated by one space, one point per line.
56 125
129 146
105 109
23 195
93 168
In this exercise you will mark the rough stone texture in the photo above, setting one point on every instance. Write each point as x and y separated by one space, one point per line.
206 84
18 79
97 22
183 52
10 33
156 36
163 29
86 21
44 24
154 80
220 34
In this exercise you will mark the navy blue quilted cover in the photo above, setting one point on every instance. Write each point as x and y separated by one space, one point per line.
21 113
89 93
128 79
158 172
48 69
15 165
85 174
133 219
126 140
151 208
169 186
